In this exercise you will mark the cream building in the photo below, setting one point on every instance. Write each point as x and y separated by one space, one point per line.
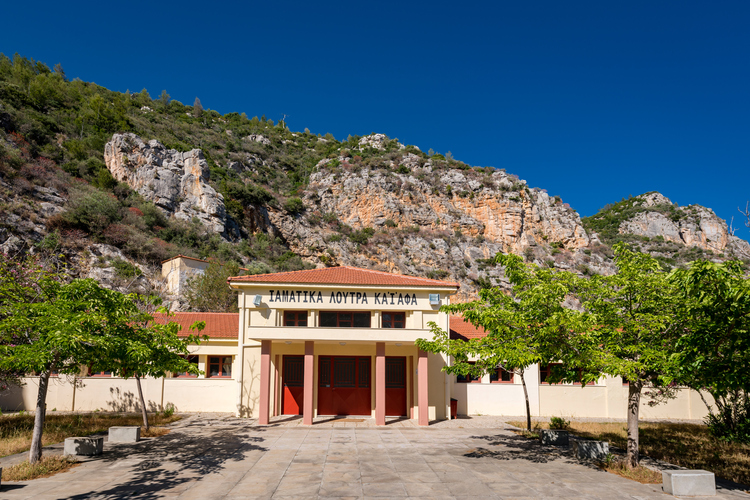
340 341
179 269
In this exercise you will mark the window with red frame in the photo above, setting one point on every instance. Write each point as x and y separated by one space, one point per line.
295 318
99 374
192 359
219 366
345 319
466 379
394 320
546 371
500 376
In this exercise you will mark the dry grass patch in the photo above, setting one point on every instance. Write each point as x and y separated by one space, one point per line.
641 474
46 467
686 445
16 430
154 431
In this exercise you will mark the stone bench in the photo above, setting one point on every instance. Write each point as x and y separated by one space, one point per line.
688 483
590 450
86 446
128 434
554 437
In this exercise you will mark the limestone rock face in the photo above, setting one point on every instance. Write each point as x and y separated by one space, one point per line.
176 182
423 229
377 141
513 220
699 227
262 139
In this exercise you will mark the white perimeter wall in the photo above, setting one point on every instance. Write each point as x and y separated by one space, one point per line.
116 394
606 399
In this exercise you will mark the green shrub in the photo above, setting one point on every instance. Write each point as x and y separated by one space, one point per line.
294 206
153 216
168 410
51 241
731 423
125 269
437 274
361 237
92 211
104 180
389 223
559 423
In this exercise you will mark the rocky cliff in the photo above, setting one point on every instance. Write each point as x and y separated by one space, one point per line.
416 217
176 182
694 226
673 234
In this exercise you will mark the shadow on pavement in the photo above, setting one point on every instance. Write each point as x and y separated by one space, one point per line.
152 466
521 448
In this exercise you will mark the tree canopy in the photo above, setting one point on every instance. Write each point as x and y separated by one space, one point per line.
633 322
210 292
524 327
714 354
47 325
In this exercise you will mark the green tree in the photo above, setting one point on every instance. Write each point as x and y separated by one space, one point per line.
164 99
146 347
634 321
49 326
57 327
210 291
197 108
524 327
714 353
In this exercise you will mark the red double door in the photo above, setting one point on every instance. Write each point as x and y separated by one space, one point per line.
344 385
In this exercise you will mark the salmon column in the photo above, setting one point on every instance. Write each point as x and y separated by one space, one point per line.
265 381
422 377
307 399
380 383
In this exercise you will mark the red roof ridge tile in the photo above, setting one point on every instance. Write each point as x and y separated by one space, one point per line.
261 278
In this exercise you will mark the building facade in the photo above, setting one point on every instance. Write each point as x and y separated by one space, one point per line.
340 341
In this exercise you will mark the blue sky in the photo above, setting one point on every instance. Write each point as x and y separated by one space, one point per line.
593 101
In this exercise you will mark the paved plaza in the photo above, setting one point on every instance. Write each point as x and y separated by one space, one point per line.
222 457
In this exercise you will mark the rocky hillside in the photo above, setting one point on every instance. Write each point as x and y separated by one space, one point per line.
117 188
674 235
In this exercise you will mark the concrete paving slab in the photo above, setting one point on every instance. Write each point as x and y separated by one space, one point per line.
212 457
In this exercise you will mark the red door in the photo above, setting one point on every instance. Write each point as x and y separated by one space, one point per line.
344 385
293 383
395 387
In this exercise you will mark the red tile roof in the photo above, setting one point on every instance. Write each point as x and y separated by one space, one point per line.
343 275
218 325
462 329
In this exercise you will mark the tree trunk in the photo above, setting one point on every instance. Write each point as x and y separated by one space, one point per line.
634 401
35 453
143 403
526 395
